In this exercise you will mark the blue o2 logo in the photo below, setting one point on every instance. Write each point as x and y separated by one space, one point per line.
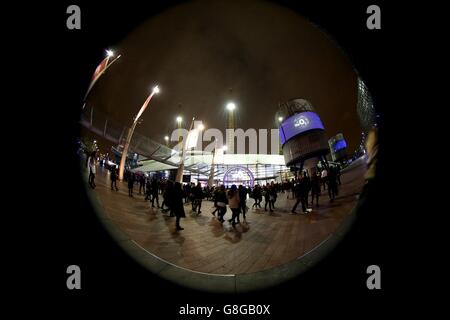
301 122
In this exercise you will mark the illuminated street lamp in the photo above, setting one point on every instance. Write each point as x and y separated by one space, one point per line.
166 138
109 53
280 119
130 132
231 106
101 68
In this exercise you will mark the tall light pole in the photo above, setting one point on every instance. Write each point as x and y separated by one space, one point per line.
130 132
180 171
230 124
100 70
179 120
280 147
213 163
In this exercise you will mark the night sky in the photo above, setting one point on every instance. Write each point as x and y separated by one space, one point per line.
197 51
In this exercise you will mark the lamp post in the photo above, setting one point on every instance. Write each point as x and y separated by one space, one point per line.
100 70
213 163
130 132
179 177
230 124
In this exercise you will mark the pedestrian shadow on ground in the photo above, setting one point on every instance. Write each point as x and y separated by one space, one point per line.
243 226
314 216
177 236
233 235
216 227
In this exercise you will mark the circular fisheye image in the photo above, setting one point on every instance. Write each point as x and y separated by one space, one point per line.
224 144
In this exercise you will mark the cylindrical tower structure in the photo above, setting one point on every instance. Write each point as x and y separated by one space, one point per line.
302 133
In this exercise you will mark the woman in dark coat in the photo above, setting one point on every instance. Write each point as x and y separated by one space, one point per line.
177 203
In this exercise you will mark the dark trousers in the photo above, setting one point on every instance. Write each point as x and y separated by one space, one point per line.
114 185
235 215
332 191
177 222
243 208
91 179
216 209
141 187
257 203
304 200
221 213
197 204
271 204
163 204
155 196
316 195
324 183
130 191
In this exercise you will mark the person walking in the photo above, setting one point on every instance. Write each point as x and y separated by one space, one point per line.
148 189
324 178
257 195
222 201
113 177
269 197
315 188
92 162
154 193
168 191
178 207
197 193
142 184
214 195
301 193
243 201
338 174
332 184
233 202
131 180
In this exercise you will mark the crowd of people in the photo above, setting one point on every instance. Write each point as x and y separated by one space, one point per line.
306 189
176 195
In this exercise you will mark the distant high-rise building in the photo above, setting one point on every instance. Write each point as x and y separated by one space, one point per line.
365 109
366 113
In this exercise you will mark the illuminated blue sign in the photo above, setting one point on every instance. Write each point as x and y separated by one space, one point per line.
339 145
299 123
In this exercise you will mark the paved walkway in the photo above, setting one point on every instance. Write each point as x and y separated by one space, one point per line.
266 241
